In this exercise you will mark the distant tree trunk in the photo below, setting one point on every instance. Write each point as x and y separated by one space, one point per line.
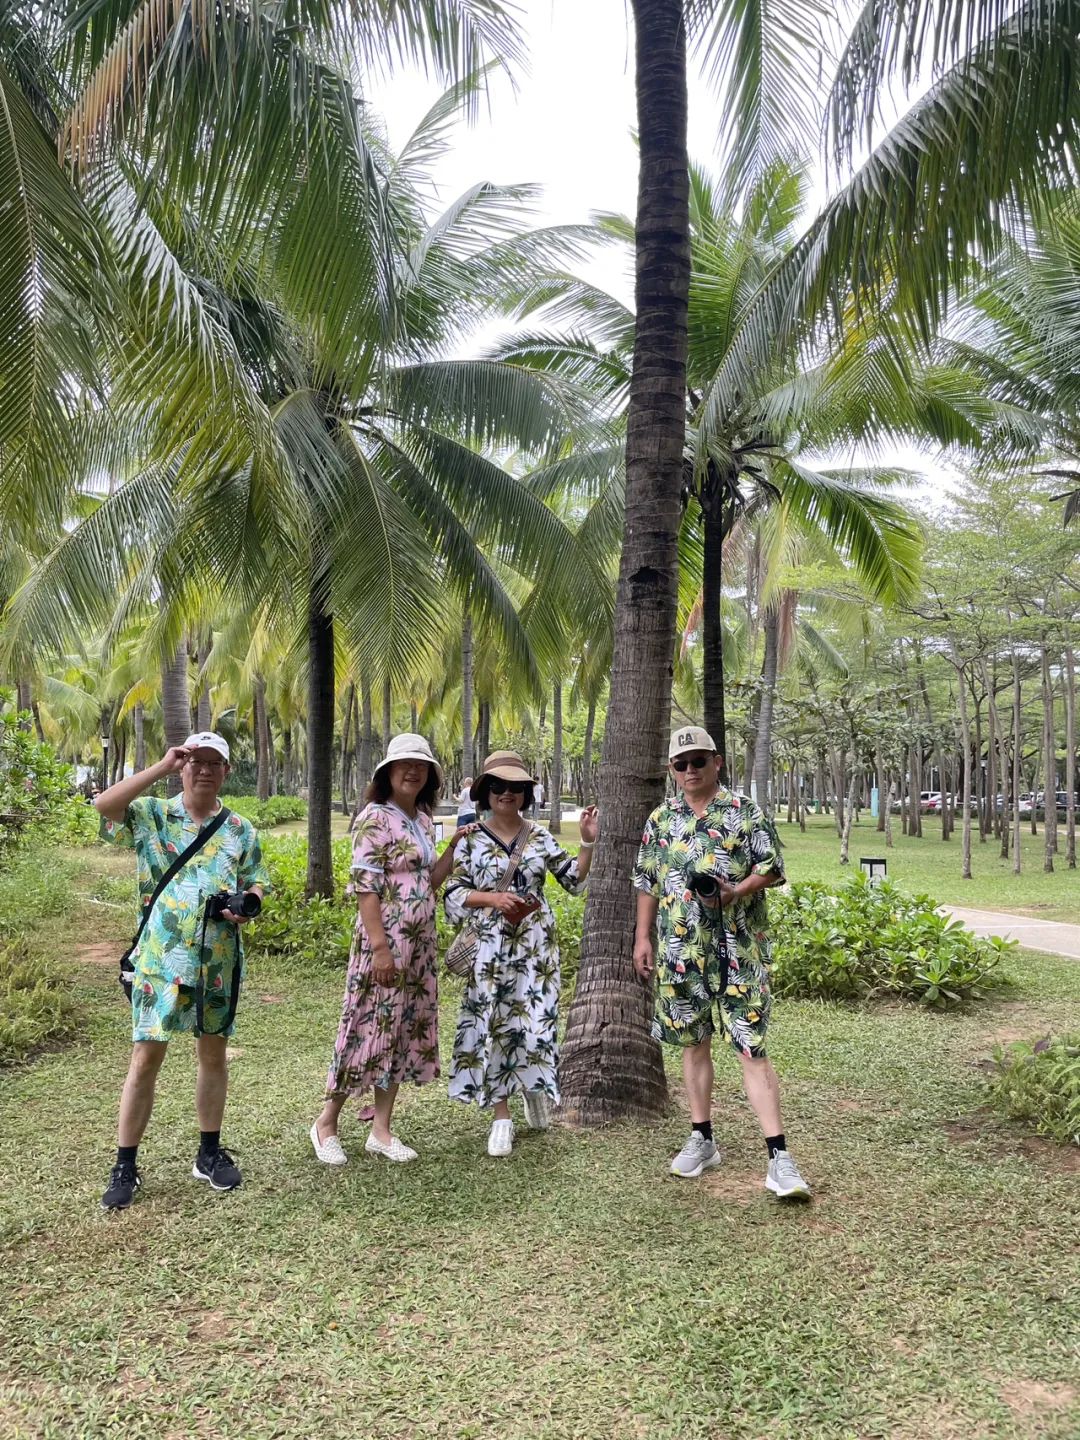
1049 767
1070 758
367 739
888 817
586 757
712 626
965 731
839 768
468 755
262 750
23 700
763 742
610 1067
1017 720
845 837
175 707
414 718
287 760
346 728
977 773
484 748
881 781
204 718
387 715
138 720
320 737
555 793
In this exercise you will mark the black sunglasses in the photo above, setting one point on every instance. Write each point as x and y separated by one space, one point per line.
697 761
500 787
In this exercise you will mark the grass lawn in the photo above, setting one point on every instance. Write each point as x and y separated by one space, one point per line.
576 1290
932 866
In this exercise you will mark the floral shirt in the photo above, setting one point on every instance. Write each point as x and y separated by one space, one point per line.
732 840
158 831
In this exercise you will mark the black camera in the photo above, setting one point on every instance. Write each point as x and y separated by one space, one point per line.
244 903
705 887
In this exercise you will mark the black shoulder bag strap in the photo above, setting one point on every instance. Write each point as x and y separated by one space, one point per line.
127 965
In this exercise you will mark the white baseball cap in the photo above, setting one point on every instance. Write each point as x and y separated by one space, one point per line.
208 740
690 737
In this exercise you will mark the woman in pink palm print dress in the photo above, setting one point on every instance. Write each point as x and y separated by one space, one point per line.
389 1030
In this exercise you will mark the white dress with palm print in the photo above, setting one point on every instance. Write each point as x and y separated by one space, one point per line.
507 1031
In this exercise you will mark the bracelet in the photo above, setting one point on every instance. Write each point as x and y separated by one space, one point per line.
587 844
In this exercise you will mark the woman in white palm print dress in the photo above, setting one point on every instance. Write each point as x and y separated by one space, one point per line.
507 1032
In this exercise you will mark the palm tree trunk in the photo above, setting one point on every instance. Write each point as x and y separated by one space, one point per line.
555 793
468 754
262 751
484 726
320 737
175 707
288 778
203 716
712 628
387 714
346 728
763 740
1070 758
138 719
610 1065
586 755
1049 767
367 739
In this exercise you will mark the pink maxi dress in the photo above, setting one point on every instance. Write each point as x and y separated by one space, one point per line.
389 1035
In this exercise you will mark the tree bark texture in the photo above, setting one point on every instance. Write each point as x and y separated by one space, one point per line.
965 732
138 720
387 715
712 628
175 707
346 730
1049 768
610 1065
468 757
262 749
320 737
1070 758
1016 776
555 791
586 756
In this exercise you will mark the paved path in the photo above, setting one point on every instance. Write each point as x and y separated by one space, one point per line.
1051 935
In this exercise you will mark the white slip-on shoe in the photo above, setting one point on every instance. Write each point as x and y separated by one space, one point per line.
501 1139
396 1151
329 1151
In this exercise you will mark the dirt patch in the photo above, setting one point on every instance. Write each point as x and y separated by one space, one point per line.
233 1052
272 999
106 952
742 1189
1004 1141
1026 1398
212 1325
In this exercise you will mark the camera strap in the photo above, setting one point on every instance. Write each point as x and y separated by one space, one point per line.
127 965
200 984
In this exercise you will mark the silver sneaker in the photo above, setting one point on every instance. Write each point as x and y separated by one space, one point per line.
537 1109
784 1180
696 1155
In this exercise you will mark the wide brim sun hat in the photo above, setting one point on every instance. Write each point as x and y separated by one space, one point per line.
503 765
409 747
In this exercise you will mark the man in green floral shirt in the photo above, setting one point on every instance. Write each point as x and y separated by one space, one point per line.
706 860
187 964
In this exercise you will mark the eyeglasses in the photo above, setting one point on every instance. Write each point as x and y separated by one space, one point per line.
207 764
698 762
500 787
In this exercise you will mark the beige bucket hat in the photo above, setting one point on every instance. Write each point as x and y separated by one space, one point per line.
409 747
505 765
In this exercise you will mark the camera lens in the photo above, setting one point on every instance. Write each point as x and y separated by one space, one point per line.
250 905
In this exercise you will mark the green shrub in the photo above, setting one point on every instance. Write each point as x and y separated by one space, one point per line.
35 1008
306 933
866 941
35 787
1040 1084
265 814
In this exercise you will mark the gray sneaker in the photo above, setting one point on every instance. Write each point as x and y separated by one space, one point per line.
696 1155
784 1180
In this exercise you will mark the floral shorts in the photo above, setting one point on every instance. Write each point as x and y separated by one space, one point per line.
162 1007
691 1005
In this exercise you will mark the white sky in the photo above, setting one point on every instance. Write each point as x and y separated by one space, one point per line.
568 128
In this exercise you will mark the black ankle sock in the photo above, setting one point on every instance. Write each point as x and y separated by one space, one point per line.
209 1142
126 1154
703 1127
775 1143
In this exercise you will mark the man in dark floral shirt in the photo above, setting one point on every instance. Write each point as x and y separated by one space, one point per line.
712 965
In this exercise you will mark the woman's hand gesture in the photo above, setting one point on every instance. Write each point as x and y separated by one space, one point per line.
513 908
383 969
589 824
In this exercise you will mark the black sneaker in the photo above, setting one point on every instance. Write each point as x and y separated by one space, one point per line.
123 1182
220 1169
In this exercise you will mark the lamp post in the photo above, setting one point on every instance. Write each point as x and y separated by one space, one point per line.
104 762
